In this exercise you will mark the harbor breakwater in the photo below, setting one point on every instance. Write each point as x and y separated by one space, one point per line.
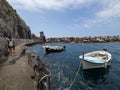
100 39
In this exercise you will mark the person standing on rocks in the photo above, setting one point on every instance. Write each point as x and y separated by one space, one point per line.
11 44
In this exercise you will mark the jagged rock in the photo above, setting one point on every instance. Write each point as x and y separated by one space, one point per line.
3 50
41 73
11 22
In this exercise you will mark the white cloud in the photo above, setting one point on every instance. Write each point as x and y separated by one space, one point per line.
22 4
113 10
110 11
47 4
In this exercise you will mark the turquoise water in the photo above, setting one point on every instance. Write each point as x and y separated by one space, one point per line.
64 65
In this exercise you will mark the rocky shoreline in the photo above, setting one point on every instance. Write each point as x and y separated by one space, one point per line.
99 39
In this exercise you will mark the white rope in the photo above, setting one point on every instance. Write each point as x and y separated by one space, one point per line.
74 78
43 77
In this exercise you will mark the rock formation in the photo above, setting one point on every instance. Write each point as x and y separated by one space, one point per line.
41 74
3 50
11 23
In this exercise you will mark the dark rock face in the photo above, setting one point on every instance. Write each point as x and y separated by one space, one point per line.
11 23
41 74
3 50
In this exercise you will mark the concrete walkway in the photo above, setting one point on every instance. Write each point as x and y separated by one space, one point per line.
15 74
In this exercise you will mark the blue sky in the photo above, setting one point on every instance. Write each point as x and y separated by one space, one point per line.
70 18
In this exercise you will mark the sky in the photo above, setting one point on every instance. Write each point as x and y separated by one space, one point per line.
70 18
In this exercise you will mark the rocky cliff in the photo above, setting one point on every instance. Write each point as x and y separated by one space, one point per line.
11 23
3 50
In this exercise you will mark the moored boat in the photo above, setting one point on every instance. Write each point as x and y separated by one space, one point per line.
54 48
96 59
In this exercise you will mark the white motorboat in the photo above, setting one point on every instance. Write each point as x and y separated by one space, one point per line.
96 59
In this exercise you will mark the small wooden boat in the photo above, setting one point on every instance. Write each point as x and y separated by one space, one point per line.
96 59
54 48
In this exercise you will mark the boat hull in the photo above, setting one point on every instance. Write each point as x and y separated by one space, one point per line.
53 48
89 65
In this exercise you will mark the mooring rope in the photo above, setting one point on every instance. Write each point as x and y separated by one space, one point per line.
74 77
44 77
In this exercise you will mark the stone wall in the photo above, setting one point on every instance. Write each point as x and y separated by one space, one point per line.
41 74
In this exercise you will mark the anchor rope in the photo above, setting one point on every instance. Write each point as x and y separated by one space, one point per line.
74 77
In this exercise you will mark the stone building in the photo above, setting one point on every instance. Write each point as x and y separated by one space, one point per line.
42 37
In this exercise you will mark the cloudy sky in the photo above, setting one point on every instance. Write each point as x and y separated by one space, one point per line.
65 18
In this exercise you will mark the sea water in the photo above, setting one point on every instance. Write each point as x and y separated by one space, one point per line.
64 66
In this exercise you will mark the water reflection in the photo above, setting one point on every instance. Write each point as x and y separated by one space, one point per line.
47 53
94 77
